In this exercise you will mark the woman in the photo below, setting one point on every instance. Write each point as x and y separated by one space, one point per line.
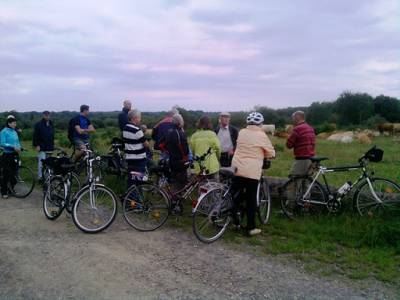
203 139
253 145
9 141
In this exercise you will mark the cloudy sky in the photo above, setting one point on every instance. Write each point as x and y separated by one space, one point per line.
200 54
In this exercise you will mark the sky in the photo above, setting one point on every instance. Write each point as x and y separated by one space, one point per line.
211 55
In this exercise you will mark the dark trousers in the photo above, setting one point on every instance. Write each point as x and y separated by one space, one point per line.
226 159
248 192
8 169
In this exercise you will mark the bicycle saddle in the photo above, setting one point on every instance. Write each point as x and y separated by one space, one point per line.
318 159
228 171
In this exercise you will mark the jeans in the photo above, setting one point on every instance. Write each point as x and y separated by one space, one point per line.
41 155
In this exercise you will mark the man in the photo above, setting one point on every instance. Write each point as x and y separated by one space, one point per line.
43 139
9 141
123 116
227 135
135 145
302 141
162 128
82 128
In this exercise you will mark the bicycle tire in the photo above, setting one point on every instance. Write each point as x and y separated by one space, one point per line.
145 207
25 182
388 192
100 214
213 209
263 201
291 197
54 198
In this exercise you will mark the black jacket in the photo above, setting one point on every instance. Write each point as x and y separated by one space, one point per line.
234 134
123 118
176 144
43 135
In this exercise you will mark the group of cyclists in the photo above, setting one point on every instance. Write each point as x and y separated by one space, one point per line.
244 150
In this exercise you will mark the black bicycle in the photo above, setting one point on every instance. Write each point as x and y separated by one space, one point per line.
372 195
214 210
24 182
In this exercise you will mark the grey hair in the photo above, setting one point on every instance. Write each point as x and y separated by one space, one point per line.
177 119
133 114
173 111
299 113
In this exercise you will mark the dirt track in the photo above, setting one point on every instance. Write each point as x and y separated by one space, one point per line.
41 259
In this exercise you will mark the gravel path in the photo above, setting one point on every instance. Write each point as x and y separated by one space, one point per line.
41 259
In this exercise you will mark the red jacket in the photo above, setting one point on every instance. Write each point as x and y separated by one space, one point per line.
302 140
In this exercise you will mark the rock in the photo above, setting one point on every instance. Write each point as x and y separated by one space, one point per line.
324 135
364 138
269 128
342 137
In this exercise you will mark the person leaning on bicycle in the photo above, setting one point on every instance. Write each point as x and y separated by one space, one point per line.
302 141
253 145
9 141
82 128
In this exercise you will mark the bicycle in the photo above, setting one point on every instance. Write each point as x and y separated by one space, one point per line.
214 210
147 206
95 205
114 161
24 181
60 186
305 194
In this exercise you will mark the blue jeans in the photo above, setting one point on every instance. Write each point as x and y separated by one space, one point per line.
41 155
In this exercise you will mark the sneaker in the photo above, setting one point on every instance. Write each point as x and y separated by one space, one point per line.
254 231
5 196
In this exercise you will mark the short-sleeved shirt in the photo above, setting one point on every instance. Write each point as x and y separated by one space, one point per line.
83 123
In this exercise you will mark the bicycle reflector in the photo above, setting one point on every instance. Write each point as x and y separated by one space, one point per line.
374 155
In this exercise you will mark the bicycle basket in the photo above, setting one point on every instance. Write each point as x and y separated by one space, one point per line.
60 166
374 155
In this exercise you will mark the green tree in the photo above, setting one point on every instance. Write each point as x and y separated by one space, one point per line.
388 108
354 108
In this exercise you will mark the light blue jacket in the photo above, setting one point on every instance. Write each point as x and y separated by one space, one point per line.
9 140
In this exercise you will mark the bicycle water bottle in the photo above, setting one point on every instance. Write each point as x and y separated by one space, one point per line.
344 188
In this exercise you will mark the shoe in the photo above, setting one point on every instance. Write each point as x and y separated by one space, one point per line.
4 196
254 231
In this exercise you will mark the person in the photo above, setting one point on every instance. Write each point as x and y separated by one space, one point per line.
227 135
302 141
149 153
253 145
9 141
123 115
175 144
162 127
135 145
82 128
203 139
43 139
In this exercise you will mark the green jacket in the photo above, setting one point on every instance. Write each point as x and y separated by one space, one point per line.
200 141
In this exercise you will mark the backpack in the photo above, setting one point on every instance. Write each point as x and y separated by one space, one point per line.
71 129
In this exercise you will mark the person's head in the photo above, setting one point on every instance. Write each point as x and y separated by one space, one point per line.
204 123
127 104
134 116
224 119
298 117
11 122
46 115
84 110
255 118
172 112
177 119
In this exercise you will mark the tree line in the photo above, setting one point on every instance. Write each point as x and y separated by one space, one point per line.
349 110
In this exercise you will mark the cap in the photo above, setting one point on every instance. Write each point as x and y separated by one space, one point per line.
224 114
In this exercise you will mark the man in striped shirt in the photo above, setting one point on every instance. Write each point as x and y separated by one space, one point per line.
135 144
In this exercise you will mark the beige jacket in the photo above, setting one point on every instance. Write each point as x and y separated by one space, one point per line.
252 146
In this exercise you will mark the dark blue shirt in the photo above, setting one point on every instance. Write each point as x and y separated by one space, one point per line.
83 123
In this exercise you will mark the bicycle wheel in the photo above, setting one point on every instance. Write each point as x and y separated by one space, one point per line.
95 208
54 198
263 201
211 215
25 182
74 188
292 202
145 207
385 190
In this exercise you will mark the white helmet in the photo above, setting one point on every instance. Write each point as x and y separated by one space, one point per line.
255 118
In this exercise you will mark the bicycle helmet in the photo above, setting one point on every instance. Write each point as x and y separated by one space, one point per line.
255 118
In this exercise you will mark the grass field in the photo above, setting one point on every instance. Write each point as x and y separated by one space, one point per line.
343 244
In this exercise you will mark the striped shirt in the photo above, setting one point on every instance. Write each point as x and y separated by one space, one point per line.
133 139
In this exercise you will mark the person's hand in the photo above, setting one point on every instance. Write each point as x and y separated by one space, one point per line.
146 144
16 149
37 148
231 152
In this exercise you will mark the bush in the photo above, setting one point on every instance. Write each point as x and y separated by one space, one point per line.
325 127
